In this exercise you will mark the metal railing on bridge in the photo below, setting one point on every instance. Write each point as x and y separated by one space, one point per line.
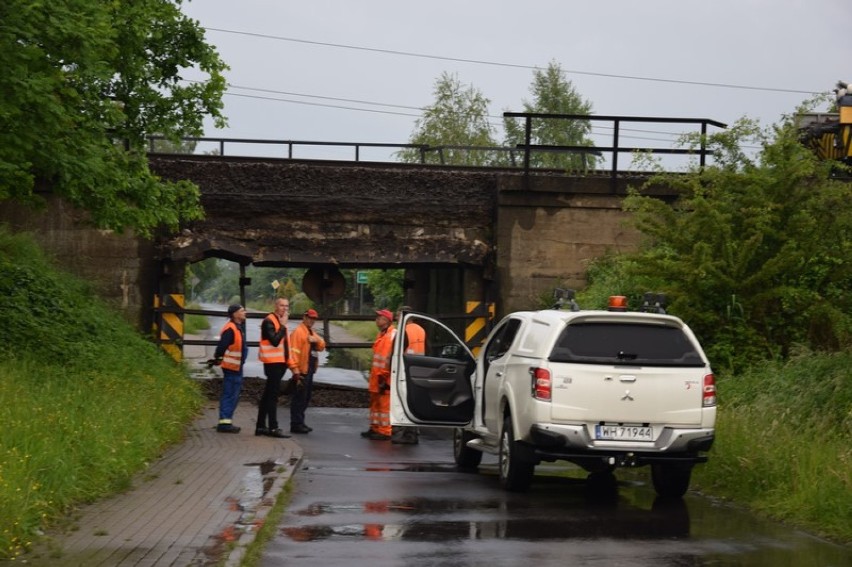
518 157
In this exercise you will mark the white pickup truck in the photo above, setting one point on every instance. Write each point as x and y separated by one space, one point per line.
601 389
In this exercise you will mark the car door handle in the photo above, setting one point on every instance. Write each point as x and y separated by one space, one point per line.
627 378
498 374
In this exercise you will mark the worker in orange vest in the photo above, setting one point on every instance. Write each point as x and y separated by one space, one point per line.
379 384
274 352
231 355
305 346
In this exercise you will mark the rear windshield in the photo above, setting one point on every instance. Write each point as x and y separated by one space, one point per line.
625 343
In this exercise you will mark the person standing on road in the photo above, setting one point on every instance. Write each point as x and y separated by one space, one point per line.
274 353
415 343
305 346
231 355
379 385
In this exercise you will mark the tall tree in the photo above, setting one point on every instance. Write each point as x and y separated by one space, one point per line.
553 93
83 83
757 252
458 117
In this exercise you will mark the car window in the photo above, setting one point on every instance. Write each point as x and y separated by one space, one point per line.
437 341
625 344
502 340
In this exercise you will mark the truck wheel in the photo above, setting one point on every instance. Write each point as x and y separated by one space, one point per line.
516 474
466 458
670 480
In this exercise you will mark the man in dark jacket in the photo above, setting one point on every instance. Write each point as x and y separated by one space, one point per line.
274 353
231 355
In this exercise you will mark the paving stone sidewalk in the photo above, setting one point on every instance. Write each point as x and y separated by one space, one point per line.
202 502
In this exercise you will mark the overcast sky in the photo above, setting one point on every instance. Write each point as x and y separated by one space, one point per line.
358 71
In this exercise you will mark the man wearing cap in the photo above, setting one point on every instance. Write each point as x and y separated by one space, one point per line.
273 353
231 354
379 385
305 346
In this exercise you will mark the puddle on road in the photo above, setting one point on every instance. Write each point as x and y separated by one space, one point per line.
429 520
415 506
694 531
389 467
254 486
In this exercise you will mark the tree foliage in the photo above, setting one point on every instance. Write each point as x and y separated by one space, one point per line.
756 253
386 288
553 93
458 117
83 83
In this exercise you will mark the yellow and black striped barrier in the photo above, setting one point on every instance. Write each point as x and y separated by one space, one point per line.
168 325
477 329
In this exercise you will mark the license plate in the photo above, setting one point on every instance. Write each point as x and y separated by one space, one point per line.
623 433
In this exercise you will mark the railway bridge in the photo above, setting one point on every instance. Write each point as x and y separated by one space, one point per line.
474 242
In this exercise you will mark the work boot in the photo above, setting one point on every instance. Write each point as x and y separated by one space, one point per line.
299 428
277 433
227 428
261 431
376 436
405 438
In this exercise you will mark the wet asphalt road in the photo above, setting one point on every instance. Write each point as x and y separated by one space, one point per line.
368 503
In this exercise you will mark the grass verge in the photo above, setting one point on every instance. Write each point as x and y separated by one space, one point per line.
85 400
784 443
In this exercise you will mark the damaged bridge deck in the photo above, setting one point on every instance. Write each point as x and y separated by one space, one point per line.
282 212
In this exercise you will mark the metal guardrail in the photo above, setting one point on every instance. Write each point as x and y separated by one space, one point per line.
615 149
326 321
525 150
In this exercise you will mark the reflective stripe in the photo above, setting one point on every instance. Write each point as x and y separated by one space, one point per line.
379 418
232 358
268 353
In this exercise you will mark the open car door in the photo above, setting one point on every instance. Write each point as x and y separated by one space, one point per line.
431 375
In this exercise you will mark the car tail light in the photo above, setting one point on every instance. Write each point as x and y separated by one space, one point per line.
709 397
540 383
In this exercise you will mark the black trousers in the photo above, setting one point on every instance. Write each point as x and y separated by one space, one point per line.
267 407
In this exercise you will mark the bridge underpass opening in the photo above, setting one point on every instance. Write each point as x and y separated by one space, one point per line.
346 297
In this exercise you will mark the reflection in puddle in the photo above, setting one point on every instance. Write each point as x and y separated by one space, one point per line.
428 520
561 521
390 467
254 486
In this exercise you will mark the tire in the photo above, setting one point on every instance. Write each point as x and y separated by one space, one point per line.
466 458
516 474
670 480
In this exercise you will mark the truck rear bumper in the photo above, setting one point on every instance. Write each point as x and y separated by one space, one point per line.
573 441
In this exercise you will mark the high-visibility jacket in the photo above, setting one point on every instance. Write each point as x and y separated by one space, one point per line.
301 352
269 353
382 352
232 358
415 339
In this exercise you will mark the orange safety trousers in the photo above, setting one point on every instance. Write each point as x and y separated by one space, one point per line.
380 412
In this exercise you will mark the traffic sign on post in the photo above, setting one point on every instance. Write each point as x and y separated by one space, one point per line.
361 277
